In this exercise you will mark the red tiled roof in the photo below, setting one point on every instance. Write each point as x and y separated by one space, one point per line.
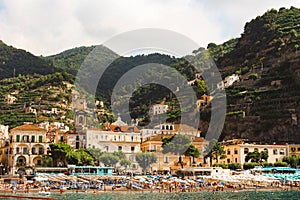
28 127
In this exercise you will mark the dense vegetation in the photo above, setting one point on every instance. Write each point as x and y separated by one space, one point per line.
266 57
16 61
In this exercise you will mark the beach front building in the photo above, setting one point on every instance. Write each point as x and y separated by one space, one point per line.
294 150
169 162
236 151
116 137
27 146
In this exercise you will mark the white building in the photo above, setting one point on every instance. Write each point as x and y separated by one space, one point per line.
170 129
3 132
157 109
118 137
229 80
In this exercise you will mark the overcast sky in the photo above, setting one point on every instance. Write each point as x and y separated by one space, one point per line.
46 27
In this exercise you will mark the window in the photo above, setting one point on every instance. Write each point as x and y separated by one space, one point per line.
235 160
32 138
166 159
132 149
17 138
298 149
106 148
154 147
17 150
275 151
24 150
255 149
281 152
132 138
228 152
293 149
235 151
40 138
115 138
80 120
38 162
25 138
246 151
266 150
119 148
41 150
33 150
228 160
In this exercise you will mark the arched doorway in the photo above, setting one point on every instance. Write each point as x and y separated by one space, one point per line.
21 161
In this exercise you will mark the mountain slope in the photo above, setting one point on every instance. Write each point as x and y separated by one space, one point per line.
267 59
16 61
71 59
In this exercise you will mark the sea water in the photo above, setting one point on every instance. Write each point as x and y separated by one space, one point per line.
241 195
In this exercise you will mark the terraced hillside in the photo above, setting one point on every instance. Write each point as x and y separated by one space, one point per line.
265 105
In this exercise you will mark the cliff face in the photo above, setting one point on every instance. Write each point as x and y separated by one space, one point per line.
267 59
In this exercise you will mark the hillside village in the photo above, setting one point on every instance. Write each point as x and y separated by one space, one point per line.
45 123
28 146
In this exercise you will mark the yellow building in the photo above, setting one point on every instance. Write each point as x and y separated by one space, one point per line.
169 161
236 151
294 150
27 146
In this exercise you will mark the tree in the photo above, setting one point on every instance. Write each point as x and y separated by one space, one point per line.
125 163
211 45
119 154
47 161
193 152
293 161
177 144
59 153
257 157
84 157
96 153
108 159
73 158
215 151
145 159
218 152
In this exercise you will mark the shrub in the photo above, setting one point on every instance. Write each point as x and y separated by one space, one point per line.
253 76
224 166
250 165
280 164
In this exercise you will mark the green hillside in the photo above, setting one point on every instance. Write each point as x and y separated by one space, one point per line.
16 61
38 92
267 59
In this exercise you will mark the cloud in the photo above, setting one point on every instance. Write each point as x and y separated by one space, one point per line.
50 26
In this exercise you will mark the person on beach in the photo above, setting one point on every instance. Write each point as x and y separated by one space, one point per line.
61 190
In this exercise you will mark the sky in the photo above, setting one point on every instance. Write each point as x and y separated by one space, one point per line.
47 27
